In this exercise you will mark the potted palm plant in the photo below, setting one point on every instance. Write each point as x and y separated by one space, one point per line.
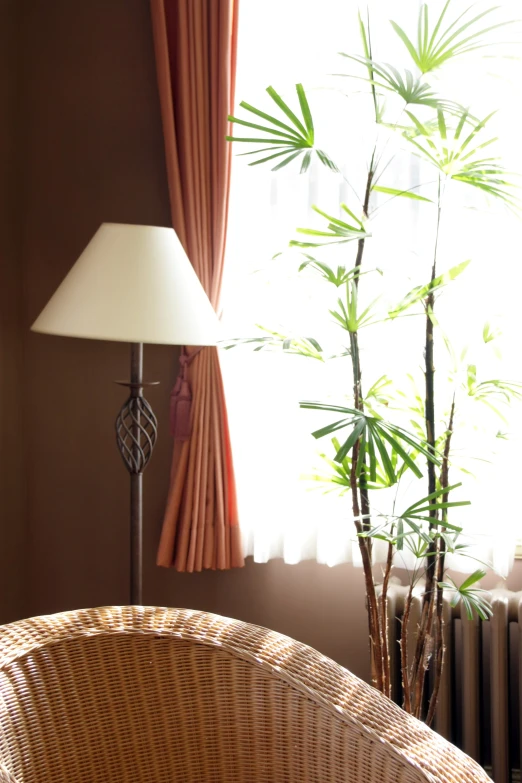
384 433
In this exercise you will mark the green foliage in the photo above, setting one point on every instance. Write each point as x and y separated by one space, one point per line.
420 510
489 333
338 478
410 529
460 160
412 90
375 437
438 45
364 31
376 394
337 232
421 292
291 141
491 392
472 598
347 315
337 277
301 346
401 193
374 452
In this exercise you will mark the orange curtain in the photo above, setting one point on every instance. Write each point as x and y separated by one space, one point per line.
195 43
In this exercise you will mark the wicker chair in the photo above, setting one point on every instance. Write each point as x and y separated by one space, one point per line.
134 694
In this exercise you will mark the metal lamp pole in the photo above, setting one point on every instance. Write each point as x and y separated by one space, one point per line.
136 434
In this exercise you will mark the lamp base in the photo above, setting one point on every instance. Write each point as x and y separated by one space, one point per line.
136 435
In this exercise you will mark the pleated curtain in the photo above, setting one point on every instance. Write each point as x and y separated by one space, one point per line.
195 44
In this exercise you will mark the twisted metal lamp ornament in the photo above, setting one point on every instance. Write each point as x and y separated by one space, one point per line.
136 434
162 301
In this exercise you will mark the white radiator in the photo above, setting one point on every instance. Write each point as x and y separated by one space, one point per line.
480 701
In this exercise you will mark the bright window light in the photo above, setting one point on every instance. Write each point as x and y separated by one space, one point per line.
284 511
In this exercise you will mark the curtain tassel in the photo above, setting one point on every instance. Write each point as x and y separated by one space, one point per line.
181 398
181 402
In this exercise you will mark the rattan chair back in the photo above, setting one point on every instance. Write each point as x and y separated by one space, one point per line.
148 695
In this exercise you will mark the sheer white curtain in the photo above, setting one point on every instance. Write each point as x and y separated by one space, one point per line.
284 514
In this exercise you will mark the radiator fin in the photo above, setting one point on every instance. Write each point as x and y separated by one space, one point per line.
475 659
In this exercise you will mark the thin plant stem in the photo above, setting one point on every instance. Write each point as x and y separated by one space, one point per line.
406 687
439 653
424 639
360 497
384 619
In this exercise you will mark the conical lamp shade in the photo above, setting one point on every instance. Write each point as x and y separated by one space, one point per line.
132 284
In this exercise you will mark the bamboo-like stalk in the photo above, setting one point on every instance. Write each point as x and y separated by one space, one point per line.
384 620
365 499
430 400
406 687
439 654
360 497
430 428
425 625
371 593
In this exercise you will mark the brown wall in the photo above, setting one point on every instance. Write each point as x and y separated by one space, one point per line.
93 152
12 484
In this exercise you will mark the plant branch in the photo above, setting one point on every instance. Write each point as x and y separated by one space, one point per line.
384 619
406 693
360 498
424 639
359 404
439 659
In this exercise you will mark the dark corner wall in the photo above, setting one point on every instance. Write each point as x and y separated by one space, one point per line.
13 550
84 145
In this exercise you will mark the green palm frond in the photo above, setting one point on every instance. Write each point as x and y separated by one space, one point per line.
491 392
397 192
378 441
473 599
420 292
338 231
458 155
411 89
420 510
338 276
436 46
339 476
273 340
347 314
287 141
364 31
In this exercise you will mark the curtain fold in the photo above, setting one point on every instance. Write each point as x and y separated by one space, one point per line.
195 44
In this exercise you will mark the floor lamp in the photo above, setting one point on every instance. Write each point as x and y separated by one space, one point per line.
133 284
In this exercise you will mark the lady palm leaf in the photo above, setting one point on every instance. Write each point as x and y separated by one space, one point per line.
339 475
364 31
421 292
491 392
420 510
396 192
273 340
436 46
412 90
337 232
347 313
461 159
379 440
337 276
473 599
288 141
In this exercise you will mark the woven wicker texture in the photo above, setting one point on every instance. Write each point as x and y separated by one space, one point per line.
148 695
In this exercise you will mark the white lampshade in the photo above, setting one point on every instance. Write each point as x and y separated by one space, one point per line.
132 284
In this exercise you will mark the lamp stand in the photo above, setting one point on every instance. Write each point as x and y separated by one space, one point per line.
136 434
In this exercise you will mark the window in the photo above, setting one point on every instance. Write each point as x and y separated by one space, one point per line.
284 513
